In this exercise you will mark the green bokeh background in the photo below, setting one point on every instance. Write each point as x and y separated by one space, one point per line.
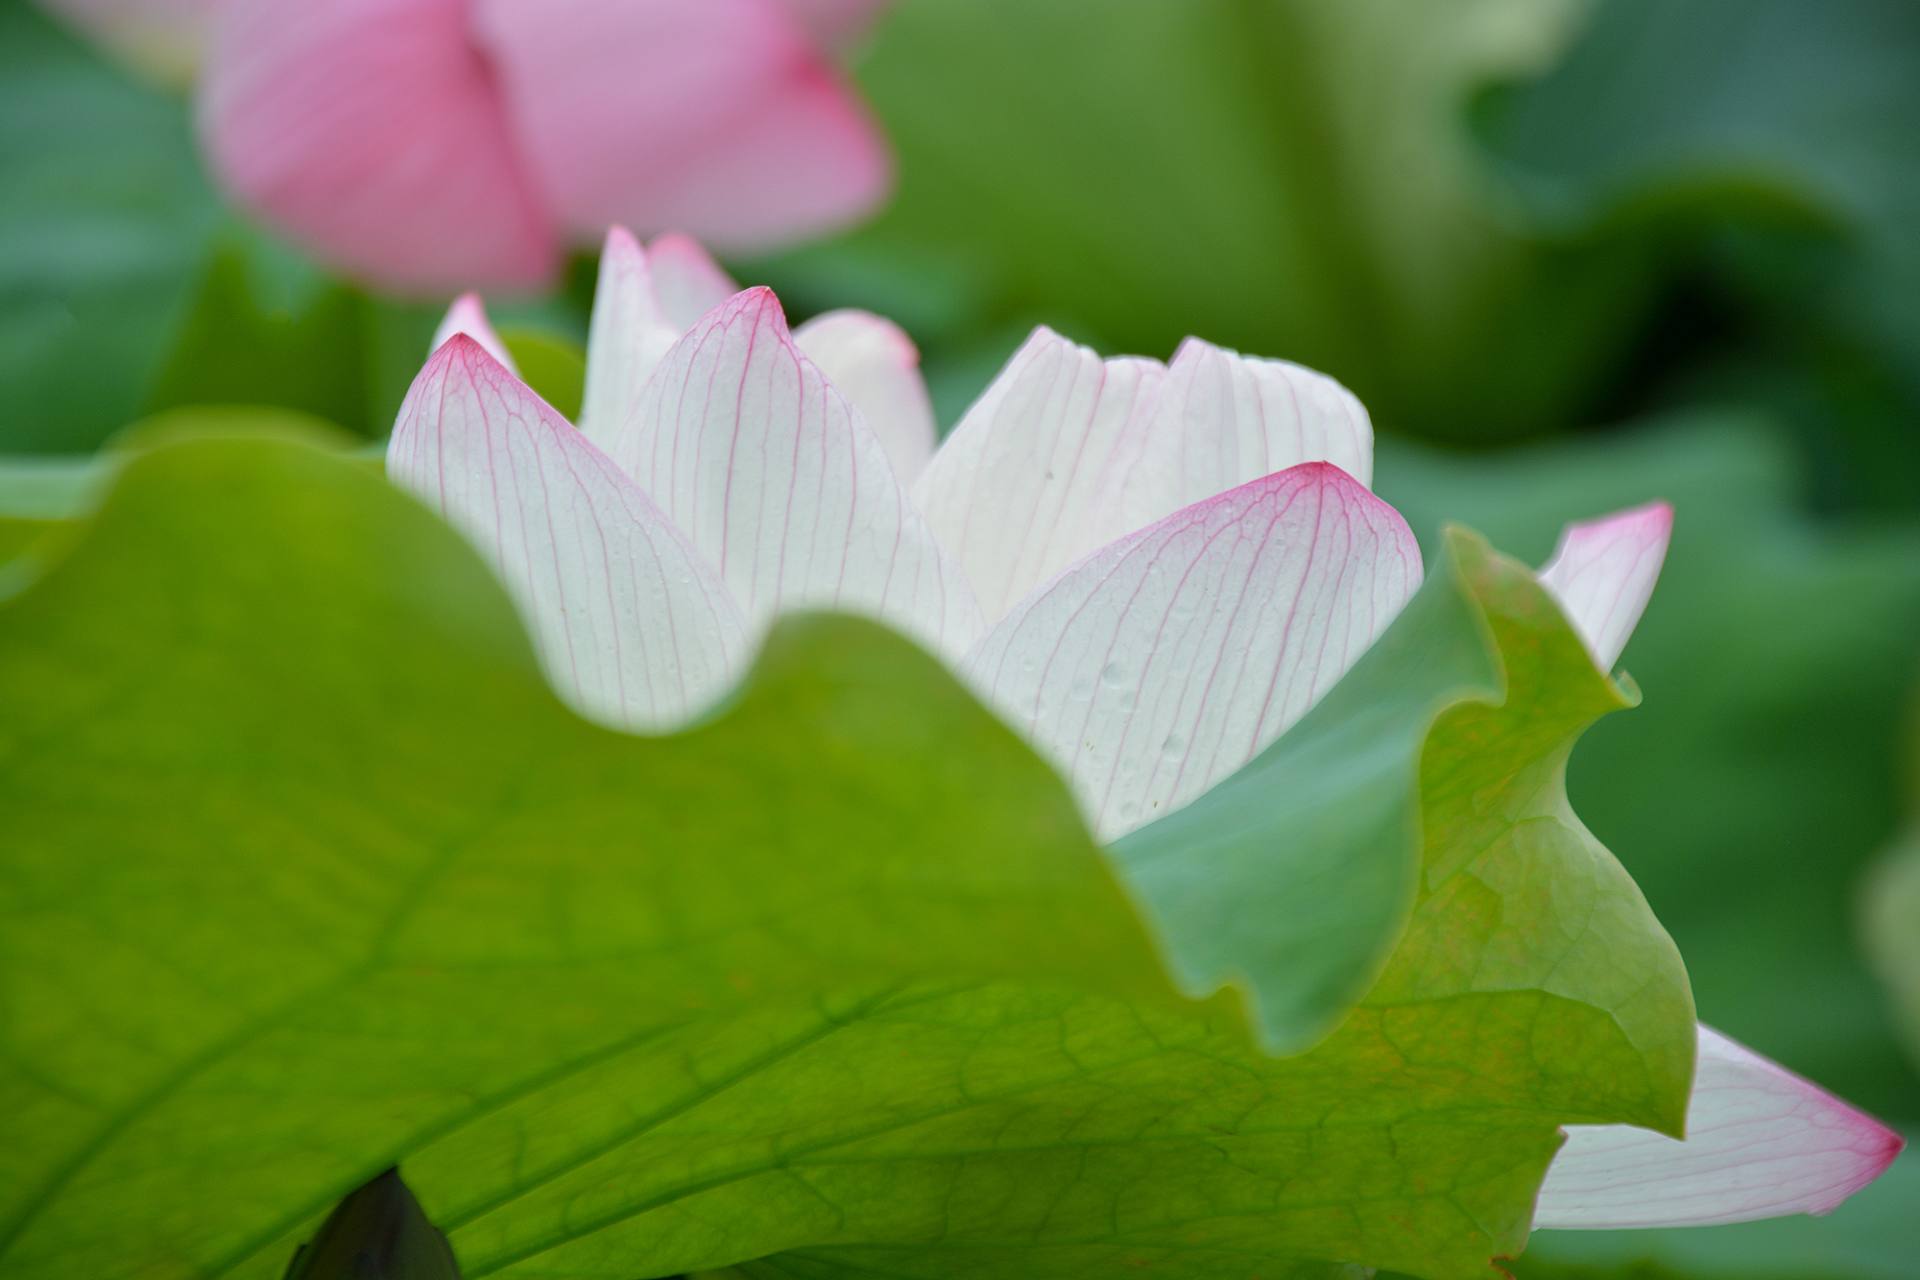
1572 256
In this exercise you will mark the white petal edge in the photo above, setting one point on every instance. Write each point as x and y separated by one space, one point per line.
633 627
1223 419
1603 572
1164 662
1761 1143
781 484
688 282
876 365
1025 483
626 336
468 315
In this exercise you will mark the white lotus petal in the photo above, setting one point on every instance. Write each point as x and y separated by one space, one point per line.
1164 662
1761 1142
626 337
748 447
1603 574
688 282
632 625
468 315
1026 482
876 366
1222 419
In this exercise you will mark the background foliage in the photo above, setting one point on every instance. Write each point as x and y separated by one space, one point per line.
1571 255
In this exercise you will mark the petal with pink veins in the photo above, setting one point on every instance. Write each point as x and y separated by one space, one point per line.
626 337
371 132
1603 574
1222 419
468 315
687 280
780 483
634 628
722 118
1164 662
876 366
1761 1143
1025 483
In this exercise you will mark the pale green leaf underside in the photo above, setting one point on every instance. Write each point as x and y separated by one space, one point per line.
307 872
1892 907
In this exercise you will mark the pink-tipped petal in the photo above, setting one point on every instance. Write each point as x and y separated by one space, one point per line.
626 337
1223 419
371 132
1761 1143
634 628
1603 574
1162 663
876 366
687 279
163 38
722 118
468 315
837 24
750 449
1027 483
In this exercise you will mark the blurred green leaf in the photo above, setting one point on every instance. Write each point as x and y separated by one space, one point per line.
124 287
554 367
267 328
105 225
1774 139
1762 775
1891 907
1285 176
1893 932
310 873
41 494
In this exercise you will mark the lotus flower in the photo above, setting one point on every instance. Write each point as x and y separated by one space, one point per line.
426 145
1151 570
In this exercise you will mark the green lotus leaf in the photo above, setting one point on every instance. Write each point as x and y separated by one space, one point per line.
1780 647
309 874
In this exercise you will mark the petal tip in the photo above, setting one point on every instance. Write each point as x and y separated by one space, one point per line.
459 348
1330 477
1603 573
1650 517
621 251
761 304
1879 1147
466 354
678 244
1885 1145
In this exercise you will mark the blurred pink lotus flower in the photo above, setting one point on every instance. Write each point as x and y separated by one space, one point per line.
431 145
1092 534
